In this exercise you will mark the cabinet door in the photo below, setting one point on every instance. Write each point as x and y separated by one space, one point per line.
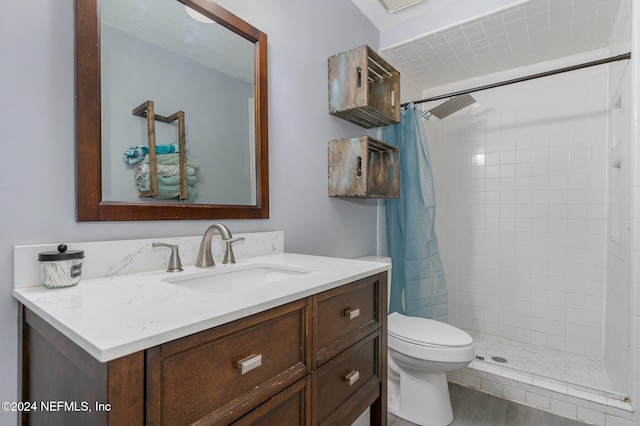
217 376
57 371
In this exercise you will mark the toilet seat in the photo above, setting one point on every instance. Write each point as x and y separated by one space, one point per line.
426 332
428 339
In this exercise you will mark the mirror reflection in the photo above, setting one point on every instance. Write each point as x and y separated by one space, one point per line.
167 53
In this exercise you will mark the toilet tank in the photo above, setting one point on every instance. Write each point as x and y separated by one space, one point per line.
381 259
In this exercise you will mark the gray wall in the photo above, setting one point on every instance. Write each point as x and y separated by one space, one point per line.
216 107
37 134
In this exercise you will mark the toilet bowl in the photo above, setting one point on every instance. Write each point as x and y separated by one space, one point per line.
420 353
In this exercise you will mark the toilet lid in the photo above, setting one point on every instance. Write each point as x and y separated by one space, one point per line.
426 332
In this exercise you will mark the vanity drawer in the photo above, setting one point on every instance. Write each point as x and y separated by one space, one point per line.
345 315
290 407
349 383
220 374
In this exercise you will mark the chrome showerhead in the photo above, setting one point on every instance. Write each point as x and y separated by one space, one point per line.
452 105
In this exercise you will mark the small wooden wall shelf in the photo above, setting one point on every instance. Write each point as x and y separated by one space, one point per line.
363 88
363 167
146 110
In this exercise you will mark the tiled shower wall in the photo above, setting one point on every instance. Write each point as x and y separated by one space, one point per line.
620 166
521 188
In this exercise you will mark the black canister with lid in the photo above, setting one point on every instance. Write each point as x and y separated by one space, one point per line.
60 268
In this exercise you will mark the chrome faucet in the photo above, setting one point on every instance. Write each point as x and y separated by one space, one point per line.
205 258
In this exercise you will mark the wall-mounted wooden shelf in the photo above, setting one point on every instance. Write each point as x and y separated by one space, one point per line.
363 167
364 88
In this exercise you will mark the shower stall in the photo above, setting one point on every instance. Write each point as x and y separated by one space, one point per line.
537 188
533 194
533 209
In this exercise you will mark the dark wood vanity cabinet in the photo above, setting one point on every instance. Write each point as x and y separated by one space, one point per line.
199 377
63 384
320 360
350 352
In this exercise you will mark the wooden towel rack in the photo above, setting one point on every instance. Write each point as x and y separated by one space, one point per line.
146 110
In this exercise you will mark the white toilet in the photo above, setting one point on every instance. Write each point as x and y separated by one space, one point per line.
421 352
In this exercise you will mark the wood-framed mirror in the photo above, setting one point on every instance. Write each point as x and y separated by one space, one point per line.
93 203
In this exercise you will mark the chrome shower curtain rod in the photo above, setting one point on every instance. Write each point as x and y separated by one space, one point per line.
621 57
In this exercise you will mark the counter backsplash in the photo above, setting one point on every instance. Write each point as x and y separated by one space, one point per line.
107 258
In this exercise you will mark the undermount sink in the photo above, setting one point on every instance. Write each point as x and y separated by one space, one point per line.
236 277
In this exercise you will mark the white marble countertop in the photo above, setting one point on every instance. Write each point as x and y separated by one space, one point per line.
115 316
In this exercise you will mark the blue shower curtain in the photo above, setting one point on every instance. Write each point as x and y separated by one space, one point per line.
418 285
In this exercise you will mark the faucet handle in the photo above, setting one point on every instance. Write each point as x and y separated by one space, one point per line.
228 253
174 261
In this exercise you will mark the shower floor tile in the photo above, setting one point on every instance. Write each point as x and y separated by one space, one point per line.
554 370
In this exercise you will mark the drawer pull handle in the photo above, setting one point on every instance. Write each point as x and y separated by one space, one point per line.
352 377
352 313
249 363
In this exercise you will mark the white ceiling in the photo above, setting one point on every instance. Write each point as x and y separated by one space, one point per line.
165 23
443 41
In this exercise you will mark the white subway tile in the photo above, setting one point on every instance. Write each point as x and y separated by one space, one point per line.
507 157
611 411
492 171
617 421
563 408
580 403
513 394
538 400
492 387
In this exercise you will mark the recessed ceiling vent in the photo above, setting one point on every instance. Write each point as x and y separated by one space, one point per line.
393 6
